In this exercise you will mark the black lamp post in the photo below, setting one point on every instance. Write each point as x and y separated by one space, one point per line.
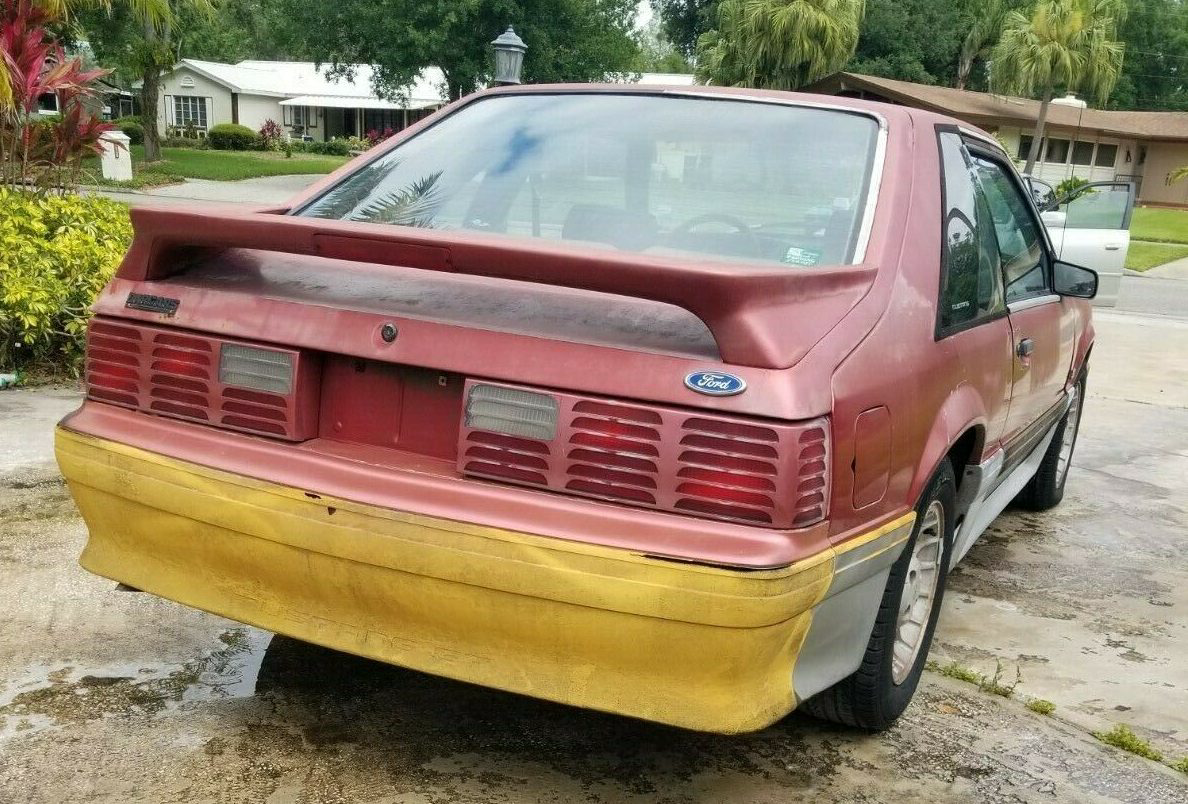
509 57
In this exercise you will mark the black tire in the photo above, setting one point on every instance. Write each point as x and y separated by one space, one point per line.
1046 489
870 698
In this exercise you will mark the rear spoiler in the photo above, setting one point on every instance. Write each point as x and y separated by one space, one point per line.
745 307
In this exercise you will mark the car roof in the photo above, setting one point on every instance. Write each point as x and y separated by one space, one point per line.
895 115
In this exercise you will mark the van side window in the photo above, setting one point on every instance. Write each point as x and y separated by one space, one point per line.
1020 245
971 282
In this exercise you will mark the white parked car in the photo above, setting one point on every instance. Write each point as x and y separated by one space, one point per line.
1091 227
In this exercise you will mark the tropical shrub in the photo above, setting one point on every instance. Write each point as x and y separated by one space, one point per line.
1069 185
357 143
271 135
232 137
329 148
133 128
36 152
56 254
375 135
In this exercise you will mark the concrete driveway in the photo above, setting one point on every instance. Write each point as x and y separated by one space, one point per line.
118 696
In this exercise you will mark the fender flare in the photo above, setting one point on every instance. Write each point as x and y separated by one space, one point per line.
961 411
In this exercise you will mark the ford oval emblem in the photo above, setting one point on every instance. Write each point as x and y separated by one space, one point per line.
715 383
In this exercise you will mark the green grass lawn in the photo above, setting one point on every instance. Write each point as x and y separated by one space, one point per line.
1144 255
1161 225
191 163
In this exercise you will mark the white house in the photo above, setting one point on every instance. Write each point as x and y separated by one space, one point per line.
298 95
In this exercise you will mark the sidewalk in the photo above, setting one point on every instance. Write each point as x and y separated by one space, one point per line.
1176 269
264 190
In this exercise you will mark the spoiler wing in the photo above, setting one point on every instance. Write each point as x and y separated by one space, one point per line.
766 317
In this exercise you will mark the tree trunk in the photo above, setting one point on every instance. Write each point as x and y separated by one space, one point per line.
149 89
1033 153
149 102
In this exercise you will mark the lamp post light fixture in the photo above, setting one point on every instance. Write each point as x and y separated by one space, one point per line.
509 57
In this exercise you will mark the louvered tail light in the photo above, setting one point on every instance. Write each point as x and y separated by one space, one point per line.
183 375
709 465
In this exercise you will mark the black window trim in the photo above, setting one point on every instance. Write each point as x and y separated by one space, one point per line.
942 332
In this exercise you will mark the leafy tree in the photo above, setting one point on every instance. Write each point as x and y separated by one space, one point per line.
779 44
139 37
657 54
682 22
912 40
1069 44
568 40
1155 71
237 30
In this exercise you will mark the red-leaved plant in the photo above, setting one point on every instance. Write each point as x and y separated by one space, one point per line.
37 152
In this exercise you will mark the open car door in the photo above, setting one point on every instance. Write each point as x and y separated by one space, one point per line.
1091 227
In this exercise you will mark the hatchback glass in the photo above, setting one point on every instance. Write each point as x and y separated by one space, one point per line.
653 174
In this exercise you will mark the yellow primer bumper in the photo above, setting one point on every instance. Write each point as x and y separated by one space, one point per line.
697 647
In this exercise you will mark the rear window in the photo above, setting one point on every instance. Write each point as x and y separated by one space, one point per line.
691 177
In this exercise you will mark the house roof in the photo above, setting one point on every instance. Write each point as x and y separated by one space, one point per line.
984 107
290 79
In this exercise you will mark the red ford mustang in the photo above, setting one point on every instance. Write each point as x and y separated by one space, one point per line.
673 403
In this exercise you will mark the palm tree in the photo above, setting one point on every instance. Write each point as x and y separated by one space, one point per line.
779 44
983 33
155 54
1060 43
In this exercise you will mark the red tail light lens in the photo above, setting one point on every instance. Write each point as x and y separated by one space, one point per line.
720 467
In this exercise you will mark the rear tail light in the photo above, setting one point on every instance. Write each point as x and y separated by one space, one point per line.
719 467
202 378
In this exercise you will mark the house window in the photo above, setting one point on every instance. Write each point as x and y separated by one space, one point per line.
47 103
1082 153
1057 152
1024 146
304 117
189 111
1107 155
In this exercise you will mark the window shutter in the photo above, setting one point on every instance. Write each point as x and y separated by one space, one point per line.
169 111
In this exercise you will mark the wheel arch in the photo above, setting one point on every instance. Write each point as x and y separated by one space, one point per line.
958 433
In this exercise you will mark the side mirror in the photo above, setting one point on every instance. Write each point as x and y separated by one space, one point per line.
1073 280
1054 219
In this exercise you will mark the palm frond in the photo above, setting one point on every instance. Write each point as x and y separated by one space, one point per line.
413 205
340 203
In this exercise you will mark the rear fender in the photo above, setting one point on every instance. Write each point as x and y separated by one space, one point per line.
962 410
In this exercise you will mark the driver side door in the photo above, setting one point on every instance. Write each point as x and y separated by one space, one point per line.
1091 227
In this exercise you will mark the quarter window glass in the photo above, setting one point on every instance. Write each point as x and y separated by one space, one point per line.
1019 243
971 284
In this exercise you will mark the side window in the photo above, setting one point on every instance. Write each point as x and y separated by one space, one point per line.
1020 244
971 283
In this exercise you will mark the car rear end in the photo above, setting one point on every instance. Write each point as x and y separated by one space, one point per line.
541 460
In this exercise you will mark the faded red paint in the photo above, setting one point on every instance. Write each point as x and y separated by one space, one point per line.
824 342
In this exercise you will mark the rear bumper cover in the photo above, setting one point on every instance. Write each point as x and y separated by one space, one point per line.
604 628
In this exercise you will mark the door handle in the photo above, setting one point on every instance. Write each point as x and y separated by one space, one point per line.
1113 246
1025 348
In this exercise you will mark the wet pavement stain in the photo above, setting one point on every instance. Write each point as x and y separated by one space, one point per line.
49 697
